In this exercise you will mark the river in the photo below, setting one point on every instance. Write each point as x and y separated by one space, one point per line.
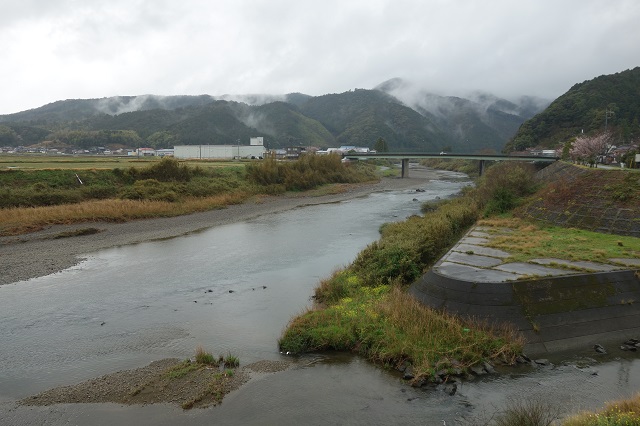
232 289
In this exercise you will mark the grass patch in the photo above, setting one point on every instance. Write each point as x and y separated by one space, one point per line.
619 413
389 327
33 199
527 240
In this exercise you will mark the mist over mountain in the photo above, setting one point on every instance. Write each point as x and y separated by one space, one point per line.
406 117
474 119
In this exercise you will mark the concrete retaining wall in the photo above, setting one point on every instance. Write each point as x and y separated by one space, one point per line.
554 314
582 198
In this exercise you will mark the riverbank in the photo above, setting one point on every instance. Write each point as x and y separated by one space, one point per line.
62 246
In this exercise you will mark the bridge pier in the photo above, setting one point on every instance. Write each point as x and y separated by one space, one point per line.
481 168
405 168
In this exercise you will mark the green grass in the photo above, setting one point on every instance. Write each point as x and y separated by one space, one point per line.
527 240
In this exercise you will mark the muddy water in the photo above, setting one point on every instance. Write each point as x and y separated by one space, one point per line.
232 289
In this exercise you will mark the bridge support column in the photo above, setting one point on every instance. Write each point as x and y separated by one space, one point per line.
405 168
481 168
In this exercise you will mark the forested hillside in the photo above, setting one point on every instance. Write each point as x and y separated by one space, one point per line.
608 102
479 119
359 117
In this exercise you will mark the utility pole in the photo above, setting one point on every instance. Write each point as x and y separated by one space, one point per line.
607 113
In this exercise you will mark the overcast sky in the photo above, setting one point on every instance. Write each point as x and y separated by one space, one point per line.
67 49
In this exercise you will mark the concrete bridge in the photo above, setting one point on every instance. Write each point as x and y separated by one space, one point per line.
404 157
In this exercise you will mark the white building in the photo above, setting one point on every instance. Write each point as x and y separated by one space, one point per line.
219 151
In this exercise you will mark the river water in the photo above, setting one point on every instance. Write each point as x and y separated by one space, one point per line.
233 288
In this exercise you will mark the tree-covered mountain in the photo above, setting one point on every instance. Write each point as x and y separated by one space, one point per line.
608 102
360 117
479 119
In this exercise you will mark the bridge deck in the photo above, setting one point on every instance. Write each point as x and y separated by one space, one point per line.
406 156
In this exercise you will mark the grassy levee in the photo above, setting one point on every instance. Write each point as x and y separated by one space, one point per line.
32 199
365 309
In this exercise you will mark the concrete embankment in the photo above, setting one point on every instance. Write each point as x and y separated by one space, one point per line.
554 314
557 304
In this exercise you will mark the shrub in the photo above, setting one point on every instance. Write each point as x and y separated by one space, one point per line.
151 189
503 184
166 170
307 172
99 192
406 248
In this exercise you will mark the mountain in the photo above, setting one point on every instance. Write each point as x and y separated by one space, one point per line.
429 123
608 102
478 119
366 115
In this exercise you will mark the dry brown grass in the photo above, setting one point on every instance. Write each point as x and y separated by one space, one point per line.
14 221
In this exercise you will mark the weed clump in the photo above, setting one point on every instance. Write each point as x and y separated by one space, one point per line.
529 412
204 357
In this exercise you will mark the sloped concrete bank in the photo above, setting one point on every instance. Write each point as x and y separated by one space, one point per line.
559 309
599 200
554 314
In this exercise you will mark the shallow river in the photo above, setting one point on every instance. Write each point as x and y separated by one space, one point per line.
232 289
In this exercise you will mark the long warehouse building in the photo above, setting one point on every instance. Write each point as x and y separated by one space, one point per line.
254 150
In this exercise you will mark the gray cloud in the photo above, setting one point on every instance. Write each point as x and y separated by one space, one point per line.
60 49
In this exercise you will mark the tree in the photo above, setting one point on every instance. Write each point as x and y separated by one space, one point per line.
587 149
8 137
163 139
381 145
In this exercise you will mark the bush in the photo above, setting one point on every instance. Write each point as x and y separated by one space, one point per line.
99 192
501 187
166 170
151 189
407 248
308 172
